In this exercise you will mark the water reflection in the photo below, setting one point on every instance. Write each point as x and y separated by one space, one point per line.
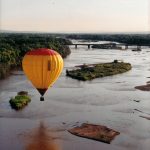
41 139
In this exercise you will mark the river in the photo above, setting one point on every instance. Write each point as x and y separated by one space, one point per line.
106 101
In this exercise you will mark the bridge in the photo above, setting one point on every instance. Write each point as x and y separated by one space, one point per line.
106 45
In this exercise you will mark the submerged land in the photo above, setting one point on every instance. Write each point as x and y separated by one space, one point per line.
95 132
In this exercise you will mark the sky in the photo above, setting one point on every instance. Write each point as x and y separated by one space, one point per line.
79 16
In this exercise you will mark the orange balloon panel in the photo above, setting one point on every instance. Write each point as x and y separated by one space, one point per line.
42 67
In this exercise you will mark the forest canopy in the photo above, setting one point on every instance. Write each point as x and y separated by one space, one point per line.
13 47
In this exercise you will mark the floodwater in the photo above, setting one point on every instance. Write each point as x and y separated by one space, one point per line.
106 101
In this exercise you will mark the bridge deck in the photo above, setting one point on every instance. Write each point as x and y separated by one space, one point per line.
119 44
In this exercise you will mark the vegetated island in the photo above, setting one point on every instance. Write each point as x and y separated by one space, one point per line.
107 46
20 101
13 47
89 72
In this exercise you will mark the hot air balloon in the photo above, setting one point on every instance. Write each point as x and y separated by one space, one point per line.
42 67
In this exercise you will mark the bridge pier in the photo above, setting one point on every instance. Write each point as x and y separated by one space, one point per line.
126 46
76 46
138 47
89 46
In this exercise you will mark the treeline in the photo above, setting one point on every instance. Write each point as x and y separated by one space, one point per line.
14 46
134 39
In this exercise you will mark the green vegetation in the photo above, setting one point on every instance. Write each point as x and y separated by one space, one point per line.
4 70
134 39
14 46
20 101
89 72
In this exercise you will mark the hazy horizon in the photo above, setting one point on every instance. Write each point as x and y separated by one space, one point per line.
46 32
75 16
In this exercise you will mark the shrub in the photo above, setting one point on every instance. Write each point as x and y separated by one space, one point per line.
19 101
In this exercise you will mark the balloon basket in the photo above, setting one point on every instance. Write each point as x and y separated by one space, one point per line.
41 98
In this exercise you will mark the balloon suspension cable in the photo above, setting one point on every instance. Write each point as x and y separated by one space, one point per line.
42 98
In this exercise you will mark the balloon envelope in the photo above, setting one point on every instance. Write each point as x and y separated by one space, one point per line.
42 67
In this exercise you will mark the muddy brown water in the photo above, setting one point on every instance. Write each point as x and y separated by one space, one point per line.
106 101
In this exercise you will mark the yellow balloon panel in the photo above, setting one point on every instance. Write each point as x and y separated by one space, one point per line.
42 70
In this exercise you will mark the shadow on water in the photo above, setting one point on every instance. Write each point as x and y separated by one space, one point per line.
41 139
